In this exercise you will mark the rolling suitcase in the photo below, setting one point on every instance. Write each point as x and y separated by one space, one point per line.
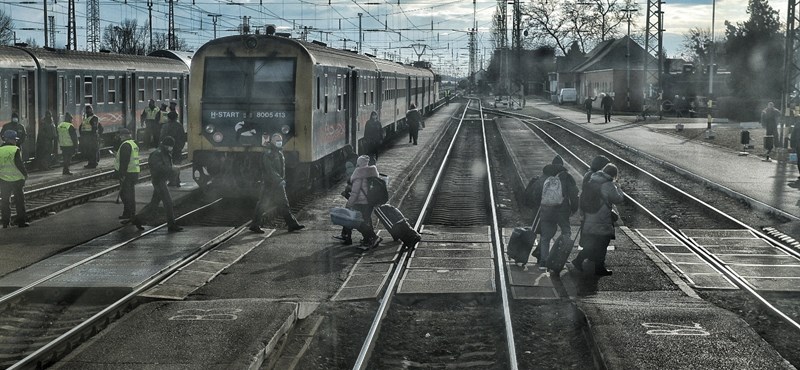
521 242
398 226
559 254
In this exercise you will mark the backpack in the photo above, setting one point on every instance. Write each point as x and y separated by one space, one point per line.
591 198
551 192
377 193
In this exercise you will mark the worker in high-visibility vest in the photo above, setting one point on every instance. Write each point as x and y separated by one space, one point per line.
90 137
126 165
68 141
150 118
12 180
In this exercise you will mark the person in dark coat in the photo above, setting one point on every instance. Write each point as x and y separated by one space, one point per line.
273 187
16 126
174 129
587 105
126 167
68 141
359 202
161 170
597 164
599 226
794 141
44 141
373 137
769 119
90 130
12 180
350 163
414 119
554 216
607 103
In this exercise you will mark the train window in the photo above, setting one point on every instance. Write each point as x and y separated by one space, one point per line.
88 97
101 92
112 89
122 89
140 87
364 86
326 94
346 88
159 89
339 92
78 90
174 90
273 79
149 89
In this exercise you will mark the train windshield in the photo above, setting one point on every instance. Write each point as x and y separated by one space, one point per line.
262 80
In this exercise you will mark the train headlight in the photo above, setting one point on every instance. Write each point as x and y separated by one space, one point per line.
251 42
209 129
285 129
218 137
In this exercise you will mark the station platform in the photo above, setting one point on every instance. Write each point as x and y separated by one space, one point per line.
644 315
272 275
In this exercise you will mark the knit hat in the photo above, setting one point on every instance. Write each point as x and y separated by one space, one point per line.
362 161
67 117
10 135
611 170
124 131
172 115
598 162
558 160
168 141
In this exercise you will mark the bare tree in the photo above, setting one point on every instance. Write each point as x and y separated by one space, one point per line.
125 38
546 23
6 28
31 42
606 17
161 42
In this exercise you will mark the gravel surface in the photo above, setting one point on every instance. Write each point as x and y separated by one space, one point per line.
550 335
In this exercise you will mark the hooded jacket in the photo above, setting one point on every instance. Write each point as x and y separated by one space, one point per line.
360 181
600 222
413 117
160 161
597 164
373 132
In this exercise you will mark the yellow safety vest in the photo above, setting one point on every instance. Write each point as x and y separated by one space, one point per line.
150 114
163 117
87 124
63 134
8 169
133 164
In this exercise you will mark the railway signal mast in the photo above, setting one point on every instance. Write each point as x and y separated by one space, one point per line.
791 69
653 46
72 39
92 25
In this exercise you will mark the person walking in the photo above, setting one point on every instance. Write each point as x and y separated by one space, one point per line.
174 129
68 141
414 119
587 105
597 164
44 141
12 180
161 170
18 127
273 187
90 137
358 199
602 192
769 119
555 195
373 137
350 163
607 103
150 118
126 165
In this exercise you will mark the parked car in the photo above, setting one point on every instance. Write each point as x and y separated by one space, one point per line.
568 95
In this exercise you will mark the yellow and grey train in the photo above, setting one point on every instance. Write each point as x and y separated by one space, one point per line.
243 89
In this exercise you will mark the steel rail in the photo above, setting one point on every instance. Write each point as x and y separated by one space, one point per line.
715 261
130 296
386 300
501 271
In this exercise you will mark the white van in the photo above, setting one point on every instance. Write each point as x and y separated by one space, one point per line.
568 95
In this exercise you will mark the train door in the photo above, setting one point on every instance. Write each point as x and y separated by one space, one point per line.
128 108
408 90
351 129
61 97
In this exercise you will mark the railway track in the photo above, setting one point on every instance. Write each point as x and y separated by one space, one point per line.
474 332
653 202
45 319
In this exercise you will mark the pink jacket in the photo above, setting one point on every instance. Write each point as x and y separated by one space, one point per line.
359 179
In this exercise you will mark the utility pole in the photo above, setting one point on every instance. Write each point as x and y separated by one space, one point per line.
171 42
790 68
52 29
92 24
150 21
628 10
46 20
72 40
517 41
214 21
360 35
652 46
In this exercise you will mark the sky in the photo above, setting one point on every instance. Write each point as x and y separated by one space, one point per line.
439 30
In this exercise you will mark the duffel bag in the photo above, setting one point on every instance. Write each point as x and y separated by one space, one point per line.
346 217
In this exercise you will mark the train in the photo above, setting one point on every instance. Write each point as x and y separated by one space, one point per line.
36 80
245 88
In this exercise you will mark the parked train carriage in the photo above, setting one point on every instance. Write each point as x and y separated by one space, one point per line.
246 88
60 81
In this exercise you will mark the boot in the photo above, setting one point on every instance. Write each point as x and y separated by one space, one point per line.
601 270
296 227
577 264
